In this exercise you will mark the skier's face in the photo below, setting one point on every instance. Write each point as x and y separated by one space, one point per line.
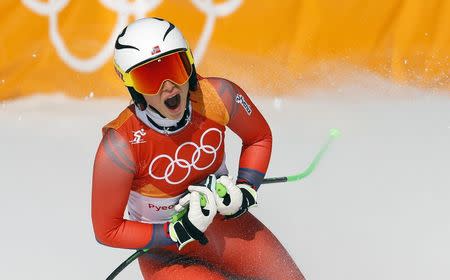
170 100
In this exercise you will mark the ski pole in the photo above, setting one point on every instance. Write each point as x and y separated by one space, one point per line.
333 134
130 259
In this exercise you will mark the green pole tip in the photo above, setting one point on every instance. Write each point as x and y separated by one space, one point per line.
335 133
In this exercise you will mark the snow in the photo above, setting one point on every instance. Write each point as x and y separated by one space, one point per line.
376 207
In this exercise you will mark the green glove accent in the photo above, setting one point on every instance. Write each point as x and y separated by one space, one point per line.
221 190
202 200
177 216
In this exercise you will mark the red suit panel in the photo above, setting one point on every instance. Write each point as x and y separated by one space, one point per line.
248 123
112 179
237 249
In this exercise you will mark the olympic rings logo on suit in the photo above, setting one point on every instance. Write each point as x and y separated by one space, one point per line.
185 164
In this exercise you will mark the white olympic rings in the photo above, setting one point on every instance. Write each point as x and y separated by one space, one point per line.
183 163
124 9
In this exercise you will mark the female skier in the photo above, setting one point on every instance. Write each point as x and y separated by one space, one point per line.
161 156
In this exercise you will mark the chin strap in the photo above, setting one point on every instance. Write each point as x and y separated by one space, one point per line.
153 119
179 125
138 99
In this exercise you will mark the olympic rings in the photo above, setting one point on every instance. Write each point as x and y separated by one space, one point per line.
185 164
124 9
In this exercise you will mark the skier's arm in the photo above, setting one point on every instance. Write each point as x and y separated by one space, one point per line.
248 123
114 170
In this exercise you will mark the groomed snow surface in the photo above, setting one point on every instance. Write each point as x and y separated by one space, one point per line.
377 206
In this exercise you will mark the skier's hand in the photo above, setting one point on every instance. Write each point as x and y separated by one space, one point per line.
192 225
232 200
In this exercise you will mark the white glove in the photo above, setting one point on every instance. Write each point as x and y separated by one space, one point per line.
232 201
192 225
237 198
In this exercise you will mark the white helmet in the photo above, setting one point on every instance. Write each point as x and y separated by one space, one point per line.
146 40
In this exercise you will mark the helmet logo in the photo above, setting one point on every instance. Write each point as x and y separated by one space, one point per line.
119 45
171 26
156 50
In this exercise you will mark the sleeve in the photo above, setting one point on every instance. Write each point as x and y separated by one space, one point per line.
114 169
249 124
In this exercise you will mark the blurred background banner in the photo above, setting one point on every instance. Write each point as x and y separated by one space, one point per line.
269 46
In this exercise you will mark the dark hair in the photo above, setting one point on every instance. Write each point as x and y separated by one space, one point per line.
139 99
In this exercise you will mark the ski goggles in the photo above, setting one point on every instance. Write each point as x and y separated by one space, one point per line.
148 77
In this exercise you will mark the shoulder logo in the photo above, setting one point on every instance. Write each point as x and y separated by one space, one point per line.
138 136
241 100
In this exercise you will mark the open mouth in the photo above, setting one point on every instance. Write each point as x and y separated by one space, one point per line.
173 102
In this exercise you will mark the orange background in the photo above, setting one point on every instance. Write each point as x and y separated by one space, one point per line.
262 45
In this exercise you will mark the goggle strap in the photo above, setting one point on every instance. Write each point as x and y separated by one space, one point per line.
155 58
